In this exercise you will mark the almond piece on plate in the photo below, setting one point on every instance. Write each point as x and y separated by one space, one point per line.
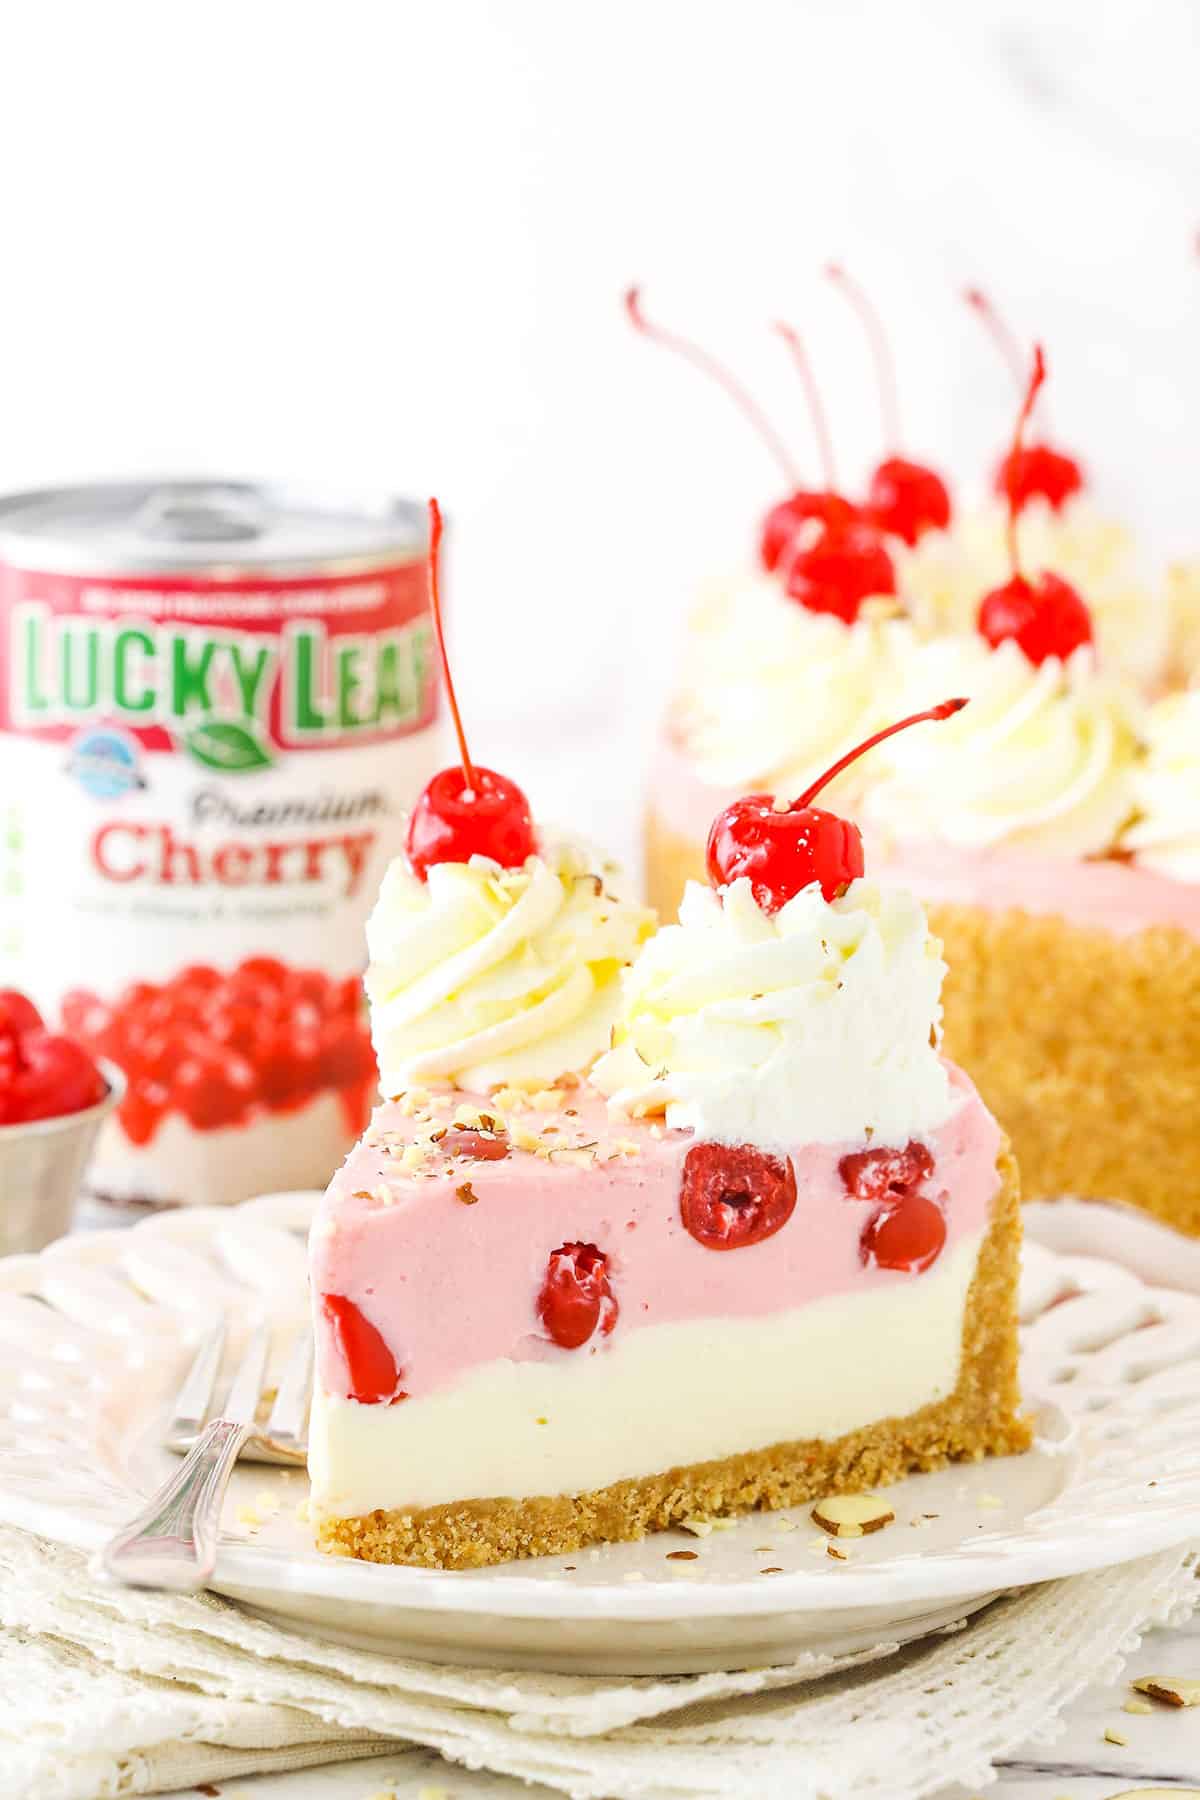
852 1515
1166 1687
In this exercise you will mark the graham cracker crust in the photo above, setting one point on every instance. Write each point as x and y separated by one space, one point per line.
1085 1045
981 1417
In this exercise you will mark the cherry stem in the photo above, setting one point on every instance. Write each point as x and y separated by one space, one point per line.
435 600
709 366
881 351
1037 377
812 393
946 710
1002 333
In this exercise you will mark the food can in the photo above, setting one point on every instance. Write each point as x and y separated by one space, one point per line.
217 699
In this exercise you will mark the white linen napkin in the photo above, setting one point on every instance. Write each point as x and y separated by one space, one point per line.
107 1692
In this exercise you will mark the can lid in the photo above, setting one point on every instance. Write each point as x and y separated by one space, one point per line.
210 526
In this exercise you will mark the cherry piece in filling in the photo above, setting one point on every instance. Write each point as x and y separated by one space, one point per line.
906 498
1045 616
576 1297
373 1376
784 850
885 1174
1029 471
732 1195
908 1236
822 507
468 811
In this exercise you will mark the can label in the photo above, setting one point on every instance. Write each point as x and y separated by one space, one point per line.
203 781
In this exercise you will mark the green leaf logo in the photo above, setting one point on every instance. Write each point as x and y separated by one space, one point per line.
222 744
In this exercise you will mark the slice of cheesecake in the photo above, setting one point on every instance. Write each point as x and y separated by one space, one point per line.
539 1328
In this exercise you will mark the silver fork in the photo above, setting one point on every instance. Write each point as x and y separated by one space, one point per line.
172 1542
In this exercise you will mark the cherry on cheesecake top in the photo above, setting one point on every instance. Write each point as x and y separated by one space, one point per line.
784 849
846 560
1044 615
905 498
1027 472
469 810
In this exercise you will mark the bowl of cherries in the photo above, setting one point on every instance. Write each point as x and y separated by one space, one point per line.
54 1097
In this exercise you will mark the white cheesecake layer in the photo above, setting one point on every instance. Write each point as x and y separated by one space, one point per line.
653 1399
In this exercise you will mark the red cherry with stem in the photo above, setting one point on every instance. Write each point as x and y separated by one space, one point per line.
908 499
1045 617
885 1175
784 521
908 1236
469 811
846 565
904 497
372 1376
576 1298
1029 471
824 506
784 850
732 1195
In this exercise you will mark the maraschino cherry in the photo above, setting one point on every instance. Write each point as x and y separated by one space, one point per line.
1045 617
468 811
576 1298
784 850
906 498
1030 471
373 1378
844 566
802 504
846 562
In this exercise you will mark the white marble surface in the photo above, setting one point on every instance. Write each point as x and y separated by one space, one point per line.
1162 1751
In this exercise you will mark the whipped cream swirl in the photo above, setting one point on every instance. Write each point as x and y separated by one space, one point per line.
482 975
1043 757
944 577
815 1023
772 693
1166 835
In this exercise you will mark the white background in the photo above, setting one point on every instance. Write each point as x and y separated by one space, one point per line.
385 244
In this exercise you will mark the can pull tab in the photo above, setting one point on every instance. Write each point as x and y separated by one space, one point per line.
199 513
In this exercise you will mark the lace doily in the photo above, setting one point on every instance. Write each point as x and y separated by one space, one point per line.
108 1693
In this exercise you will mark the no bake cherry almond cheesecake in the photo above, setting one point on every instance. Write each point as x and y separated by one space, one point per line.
762 1249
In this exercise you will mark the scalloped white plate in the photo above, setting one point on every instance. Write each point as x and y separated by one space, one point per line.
94 1332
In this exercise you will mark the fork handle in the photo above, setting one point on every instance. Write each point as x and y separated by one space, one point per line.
172 1543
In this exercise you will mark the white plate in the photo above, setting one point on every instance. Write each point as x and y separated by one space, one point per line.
94 1331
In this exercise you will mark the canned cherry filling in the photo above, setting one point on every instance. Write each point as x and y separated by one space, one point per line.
217 701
